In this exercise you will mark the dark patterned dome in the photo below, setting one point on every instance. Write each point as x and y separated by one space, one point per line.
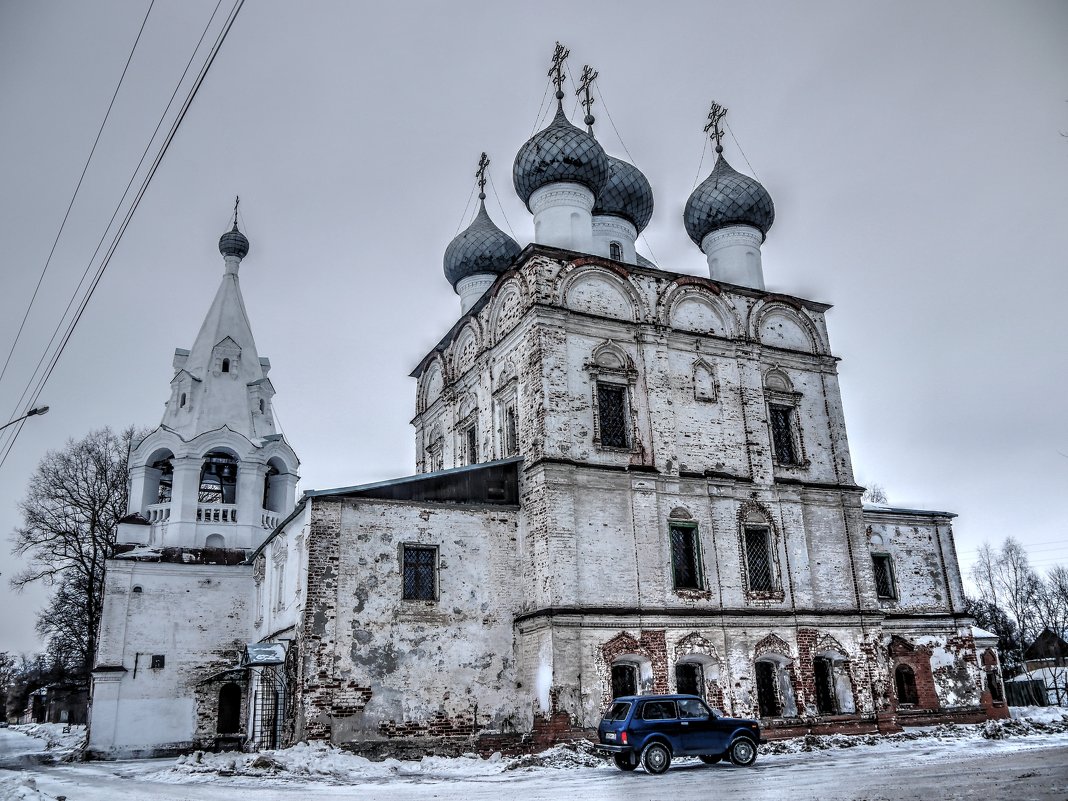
627 194
233 243
560 152
726 197
481 248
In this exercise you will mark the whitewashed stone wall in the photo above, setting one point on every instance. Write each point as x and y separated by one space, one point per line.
198 618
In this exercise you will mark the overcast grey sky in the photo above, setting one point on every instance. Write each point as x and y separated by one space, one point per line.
915 153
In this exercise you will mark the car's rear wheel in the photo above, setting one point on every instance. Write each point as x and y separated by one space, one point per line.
711 759
743 752
624 762
656 758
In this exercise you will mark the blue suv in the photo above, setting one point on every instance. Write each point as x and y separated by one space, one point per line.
651 729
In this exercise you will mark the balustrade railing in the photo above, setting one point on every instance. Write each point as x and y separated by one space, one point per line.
217 513
158 513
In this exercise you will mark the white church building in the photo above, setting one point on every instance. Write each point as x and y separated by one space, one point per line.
628 480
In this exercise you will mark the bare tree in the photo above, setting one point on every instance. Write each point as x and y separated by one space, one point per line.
874 494
76 497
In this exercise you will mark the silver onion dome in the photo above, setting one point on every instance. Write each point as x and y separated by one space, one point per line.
626 194
482 247
233 243
560 152
726 197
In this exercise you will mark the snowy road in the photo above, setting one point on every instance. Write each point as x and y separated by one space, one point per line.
1022 769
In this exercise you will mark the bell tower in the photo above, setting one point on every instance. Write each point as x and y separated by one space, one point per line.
216 473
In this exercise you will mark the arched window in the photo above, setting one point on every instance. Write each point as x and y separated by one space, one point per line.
229 721
166 479
905 679
218 478
215 541
262 405
615 251
226 365
181 403
136 588
272 471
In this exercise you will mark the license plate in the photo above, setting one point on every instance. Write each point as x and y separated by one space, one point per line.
610 735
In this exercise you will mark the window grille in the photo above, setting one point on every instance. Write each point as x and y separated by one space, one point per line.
511 434
767 692
615 251
758 559
612 414
689 678
884 575
624 680
685 561
158 661
419 573
823 673
471 441
905 680
782 434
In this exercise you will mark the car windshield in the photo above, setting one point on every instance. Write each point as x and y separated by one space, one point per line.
618 711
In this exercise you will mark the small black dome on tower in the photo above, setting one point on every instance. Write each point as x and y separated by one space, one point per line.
626 194
233 243
560 152
726 197
480 248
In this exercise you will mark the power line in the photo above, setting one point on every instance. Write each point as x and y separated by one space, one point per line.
739 144
114 214
503 212
78 186
129 215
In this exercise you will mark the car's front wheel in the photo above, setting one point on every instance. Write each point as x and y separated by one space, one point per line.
743 752
624 762
656 758
711 759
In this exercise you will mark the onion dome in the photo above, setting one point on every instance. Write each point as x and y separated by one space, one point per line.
560 152
627 194
726 197
233 243
480 248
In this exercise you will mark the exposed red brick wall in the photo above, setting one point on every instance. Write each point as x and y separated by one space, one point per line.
919 659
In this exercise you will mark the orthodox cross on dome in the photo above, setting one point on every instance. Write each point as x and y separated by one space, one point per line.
589 75
715 117
556 71
480 174
237 201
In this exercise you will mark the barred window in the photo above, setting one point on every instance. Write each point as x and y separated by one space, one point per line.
471 444
420 573
884 575
615 251
685 557
689 679
758 558
612 414
782 434
511 433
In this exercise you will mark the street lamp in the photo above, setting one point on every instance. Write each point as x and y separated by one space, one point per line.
30 413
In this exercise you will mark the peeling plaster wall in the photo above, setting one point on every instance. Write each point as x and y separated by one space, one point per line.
924 560
377 667
198 618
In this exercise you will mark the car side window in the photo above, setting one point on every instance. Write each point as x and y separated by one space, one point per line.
690 708
659 710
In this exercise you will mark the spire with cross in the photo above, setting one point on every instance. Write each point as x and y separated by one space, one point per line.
556 71
589 75
480 175
715 117
237 202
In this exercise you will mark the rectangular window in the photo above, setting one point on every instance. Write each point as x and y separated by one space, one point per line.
420 573
782 434
511 431
612 415
471 444
659 710
689 680
758 558
158 661
624 680
884 575
685 558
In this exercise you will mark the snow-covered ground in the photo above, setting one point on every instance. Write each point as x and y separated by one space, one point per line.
1024 758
